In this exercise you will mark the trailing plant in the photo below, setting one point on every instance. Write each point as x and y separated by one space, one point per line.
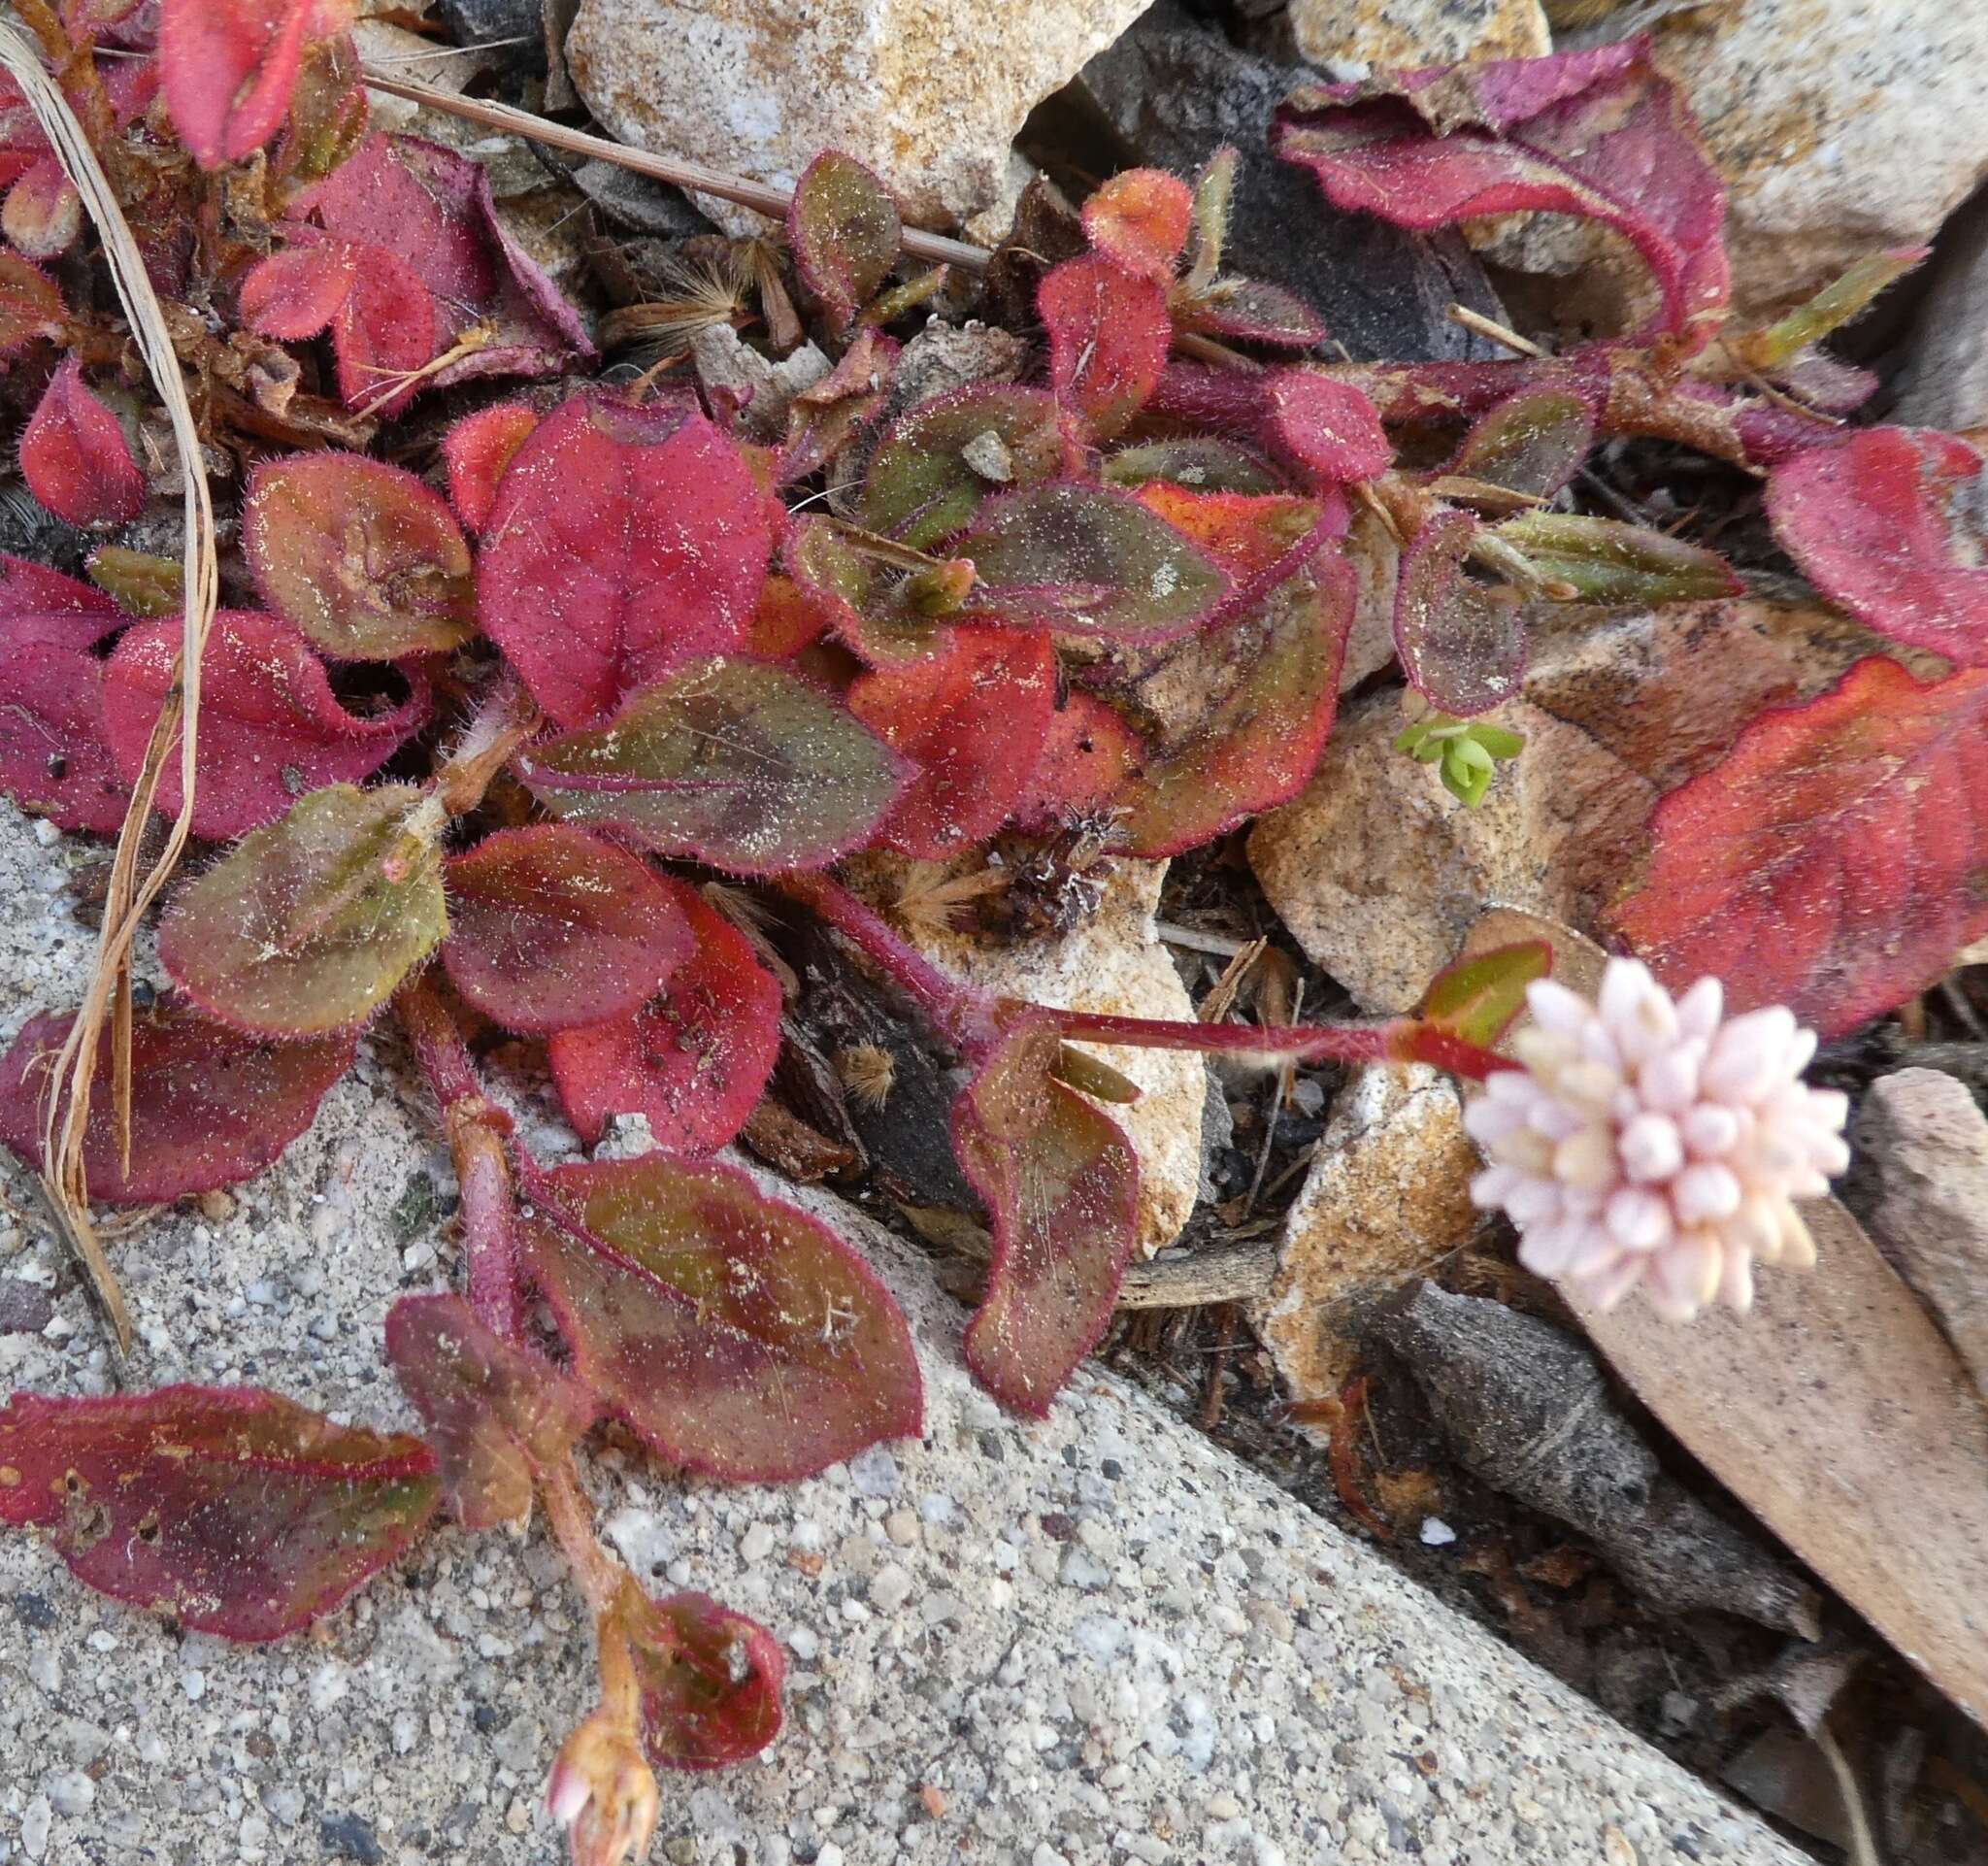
489 730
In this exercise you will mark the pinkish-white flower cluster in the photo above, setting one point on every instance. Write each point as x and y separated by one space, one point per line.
1646 1142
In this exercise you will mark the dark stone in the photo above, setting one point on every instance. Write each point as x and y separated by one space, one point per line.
33 1612
1058 1526
633 203
351 1837
488 1719
24 1307
497 23
1168 95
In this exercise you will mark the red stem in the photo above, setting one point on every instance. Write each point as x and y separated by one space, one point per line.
1314 1043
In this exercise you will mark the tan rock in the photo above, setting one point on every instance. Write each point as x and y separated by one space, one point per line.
929 92
1386 1195
1336 33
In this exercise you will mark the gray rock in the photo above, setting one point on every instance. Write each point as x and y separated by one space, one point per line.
1946 380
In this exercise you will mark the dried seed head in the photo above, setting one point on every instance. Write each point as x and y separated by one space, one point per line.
867 1072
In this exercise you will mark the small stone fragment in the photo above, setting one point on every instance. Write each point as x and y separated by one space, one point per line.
1408 33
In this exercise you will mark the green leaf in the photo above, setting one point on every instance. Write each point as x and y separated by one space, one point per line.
1476 999
843 230
739 763
310 923
1610 562
943 460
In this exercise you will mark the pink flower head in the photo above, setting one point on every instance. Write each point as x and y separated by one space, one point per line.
1645 1142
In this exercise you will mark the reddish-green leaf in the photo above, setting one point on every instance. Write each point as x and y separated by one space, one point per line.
477 449
294 294
1196 462
866 601
495 1411
233 1510
1877 526
43 213
742 764
309 924
843 230
1609 561
624 544
1140 218
229 67
360 554
53 756
1109 337
209 1105
695 1058
1328 429
1476 999
75 457
32 305
551 927
732 1333
1060 1182
1462 643
1087 757
1833 860
1255 312
709 1679
1533 442
271 726
972 721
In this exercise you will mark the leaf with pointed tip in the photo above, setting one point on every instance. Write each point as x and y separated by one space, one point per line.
831 415
692 1059
1833 860
271 726
138 581
731 1332
551 927
233 1510
1609 561
1253 311
209 1105
1599 134
294 294
495 1411
477 449
32 305
1873 525
1140 220
1328 429
358 554
972 722
229 67
710 1681
1060 1183
946 457
43 213
1088 755
1215 190
53 756
624 544
1476 999
843 230
1199 462
75 457
1091 560
309 924
742 764
1533 442
1109 337
1462 643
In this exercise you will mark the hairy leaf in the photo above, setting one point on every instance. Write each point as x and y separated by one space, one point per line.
32 305
233 1510
825 420
624 544
1533 442
271 726
209 1105
1462 643
294 294
1060 1183
1255 312
865 601
742 764
694 1059
360 554
972 722
946 457
1610 562
1088 756
732 1333
1109 337
788 618
75 457
309 924
477 449
229 67
53 756
495 1411
1140 220
843 230
1091 560
1597 134
385 333
1835 859
551 927
1873 525
43 213
1200 463
32 594
709 1679
1328 429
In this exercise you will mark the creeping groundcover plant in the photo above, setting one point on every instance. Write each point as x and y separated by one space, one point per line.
506 695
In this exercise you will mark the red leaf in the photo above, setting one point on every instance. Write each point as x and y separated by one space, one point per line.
1597 134
495 1411
271 727
233 1510
30 305
1060 1182
710 1680
228 68
1140 220
43 213
208 1106
787 620
1108 338
75 457
972 721
1255 312
1833 860
477 449
733 1334
382 333
695 1060
295 294
1533 442
1462 643
549 927
1328 429
843 229
623 543
1872 524
360 555
53 757
1088 754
